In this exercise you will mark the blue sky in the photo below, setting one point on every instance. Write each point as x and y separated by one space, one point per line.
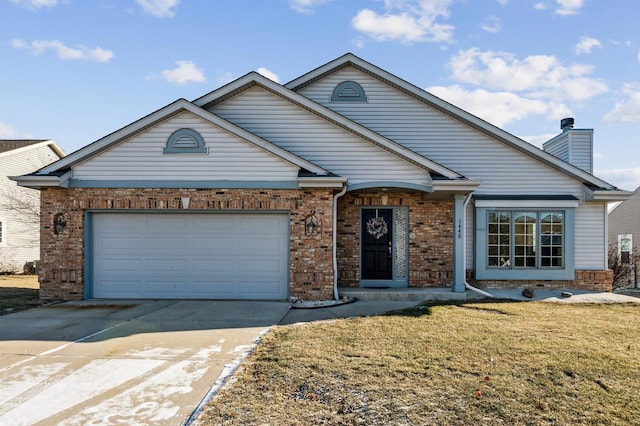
75 71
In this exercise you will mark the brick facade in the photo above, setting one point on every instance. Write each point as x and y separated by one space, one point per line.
311 268
62 255
584 280
430 237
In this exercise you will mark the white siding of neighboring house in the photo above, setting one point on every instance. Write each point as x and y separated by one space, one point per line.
315 139
20 232
229 158
439 137
625 219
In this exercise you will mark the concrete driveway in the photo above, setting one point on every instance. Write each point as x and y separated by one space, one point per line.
135 362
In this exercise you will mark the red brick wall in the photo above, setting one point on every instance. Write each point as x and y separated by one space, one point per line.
430 237
585 280
62 255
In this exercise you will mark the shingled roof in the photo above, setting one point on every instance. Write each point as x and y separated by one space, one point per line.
11 144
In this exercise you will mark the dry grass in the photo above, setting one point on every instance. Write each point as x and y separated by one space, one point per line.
18 293
467 364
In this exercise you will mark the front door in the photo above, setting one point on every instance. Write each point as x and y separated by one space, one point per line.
377 248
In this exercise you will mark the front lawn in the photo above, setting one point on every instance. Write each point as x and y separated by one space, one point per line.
18 292
467 364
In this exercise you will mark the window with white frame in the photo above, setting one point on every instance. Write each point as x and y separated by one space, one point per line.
625 244
532 239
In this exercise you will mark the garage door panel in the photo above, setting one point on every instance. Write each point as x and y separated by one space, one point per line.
254 267
215 256
260 244
166 265
118 266
213 266
119 241
167 224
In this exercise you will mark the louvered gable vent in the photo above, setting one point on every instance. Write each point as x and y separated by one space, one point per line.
348 91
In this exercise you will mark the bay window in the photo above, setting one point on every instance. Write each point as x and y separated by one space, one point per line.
525 239
522 239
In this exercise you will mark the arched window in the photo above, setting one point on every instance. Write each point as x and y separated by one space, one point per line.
348 91
185 141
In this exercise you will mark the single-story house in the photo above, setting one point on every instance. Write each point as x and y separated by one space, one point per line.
19 206
346 176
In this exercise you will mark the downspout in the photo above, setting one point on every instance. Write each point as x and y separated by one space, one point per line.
464 248
336 296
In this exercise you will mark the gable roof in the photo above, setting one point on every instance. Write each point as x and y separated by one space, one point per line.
167 112
254 79
12 146
459 114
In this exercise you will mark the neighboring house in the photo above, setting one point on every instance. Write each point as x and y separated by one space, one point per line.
346 176
19 207
624 226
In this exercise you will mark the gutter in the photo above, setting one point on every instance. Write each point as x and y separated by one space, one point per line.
464 247
336 296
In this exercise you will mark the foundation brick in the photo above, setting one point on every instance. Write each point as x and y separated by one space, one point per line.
601 280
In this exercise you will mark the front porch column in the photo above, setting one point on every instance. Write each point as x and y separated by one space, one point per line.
458 244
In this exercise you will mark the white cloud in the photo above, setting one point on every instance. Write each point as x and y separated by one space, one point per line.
503 2
542 76
569 7
185 72
35 4
269 74
587 44
504 107
306 7
159 8
7 131
491 24
627 110
541 6
638 55
628 178
407 21
82 53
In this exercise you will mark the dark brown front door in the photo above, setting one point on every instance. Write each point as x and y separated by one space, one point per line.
376 244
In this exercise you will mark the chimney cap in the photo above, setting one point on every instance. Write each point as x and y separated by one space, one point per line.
567 123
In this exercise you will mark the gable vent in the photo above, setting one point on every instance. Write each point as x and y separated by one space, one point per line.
348 91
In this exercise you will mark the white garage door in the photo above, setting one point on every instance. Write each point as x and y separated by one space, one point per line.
190 256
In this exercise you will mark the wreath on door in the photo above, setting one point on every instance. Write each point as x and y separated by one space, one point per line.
377 227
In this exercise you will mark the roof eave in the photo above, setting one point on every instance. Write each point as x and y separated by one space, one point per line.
42 181
608 195
461 186
321 182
